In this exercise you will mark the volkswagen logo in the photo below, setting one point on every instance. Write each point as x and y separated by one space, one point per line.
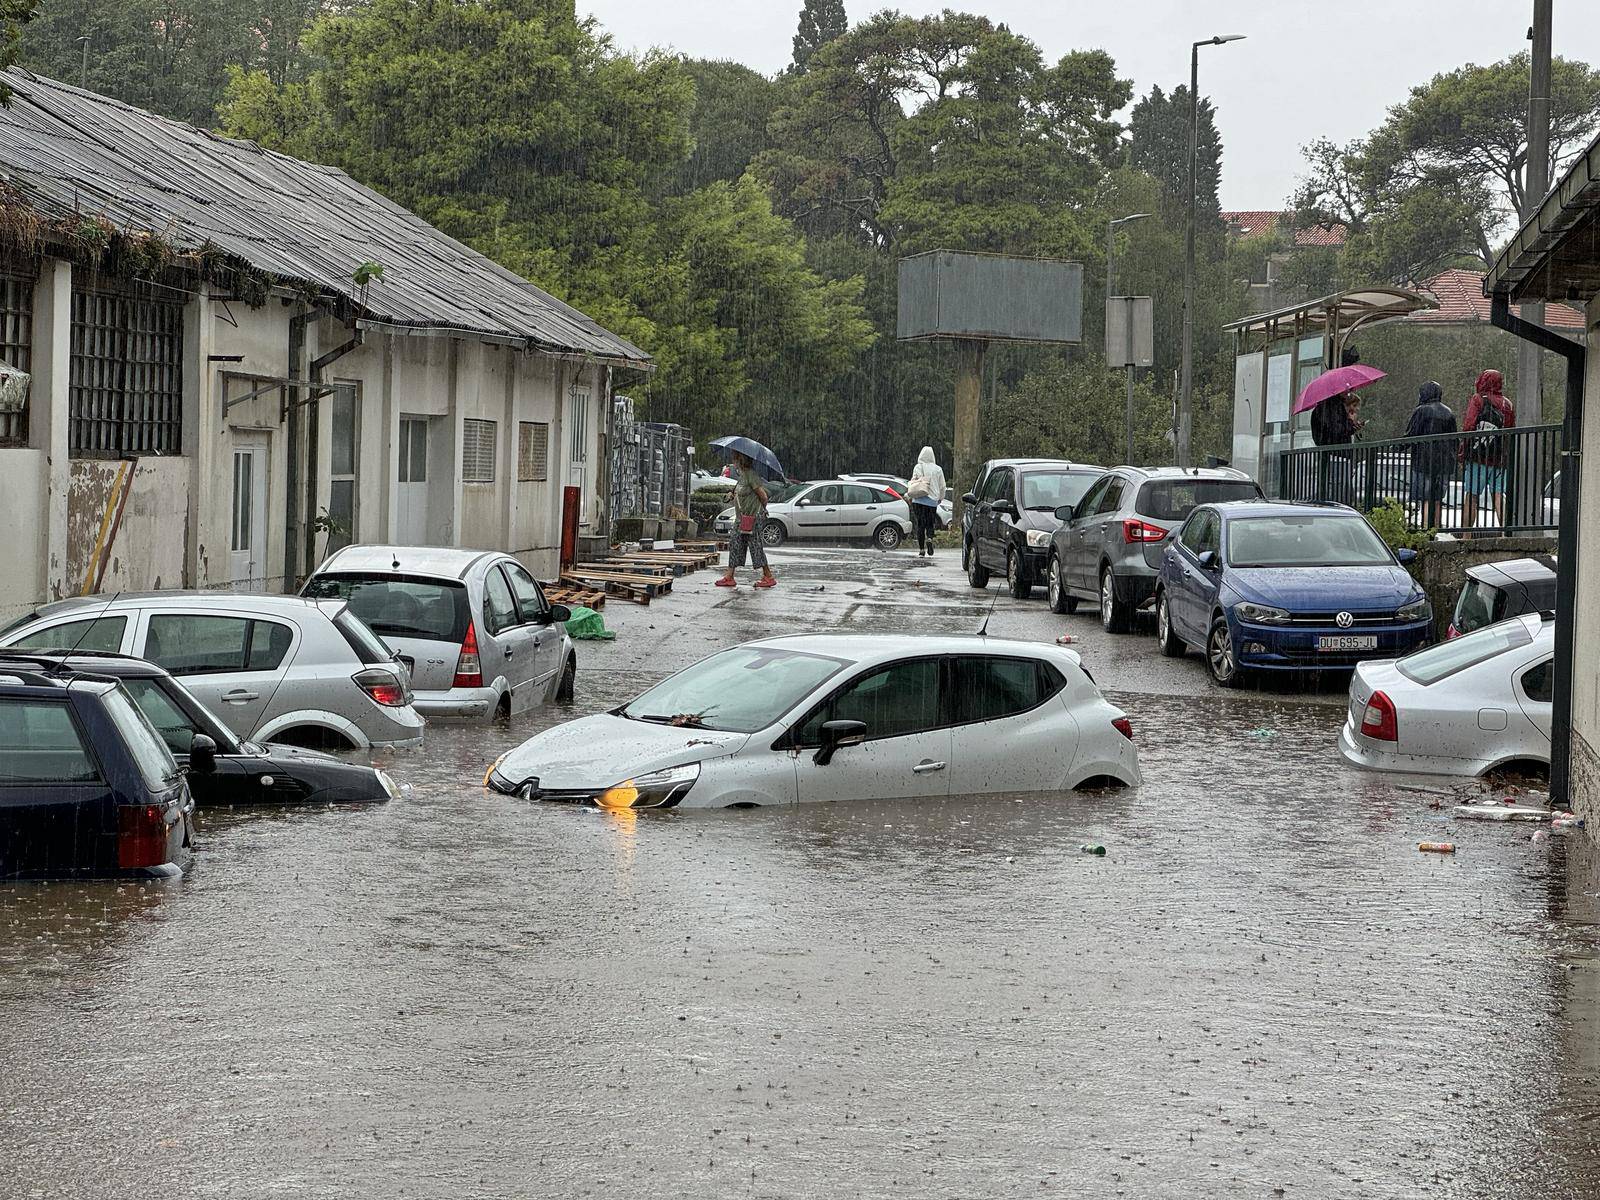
1344 620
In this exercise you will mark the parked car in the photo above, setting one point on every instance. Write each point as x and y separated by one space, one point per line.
1273 585
706 479
896 485
1464 707
1110 545
776 493
1011 518
273 668
87 787
836 510
1496 591
813 717
472 626
225 770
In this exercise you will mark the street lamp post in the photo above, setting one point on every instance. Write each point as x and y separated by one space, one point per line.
1186 384
1127 324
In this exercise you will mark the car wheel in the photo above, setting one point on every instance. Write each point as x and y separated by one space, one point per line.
773 533
1017 581
887 536
1171 644
1056 589
569 682
977 573
1116 616
1220 661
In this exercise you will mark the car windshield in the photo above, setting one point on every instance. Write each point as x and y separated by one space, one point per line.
155 761
1175 499
167 705
398 605
738 691
1305 540
1475 608
1438 662
1049 490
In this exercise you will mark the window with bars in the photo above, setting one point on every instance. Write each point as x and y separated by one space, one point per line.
533 452
126 385
477 451
16 347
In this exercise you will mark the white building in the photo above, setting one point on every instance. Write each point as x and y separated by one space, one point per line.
216 400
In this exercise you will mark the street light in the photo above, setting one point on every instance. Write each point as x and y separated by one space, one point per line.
1111 291
1186 385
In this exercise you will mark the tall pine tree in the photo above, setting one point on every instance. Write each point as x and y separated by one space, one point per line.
820 22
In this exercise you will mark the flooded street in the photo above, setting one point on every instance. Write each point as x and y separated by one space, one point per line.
1263 989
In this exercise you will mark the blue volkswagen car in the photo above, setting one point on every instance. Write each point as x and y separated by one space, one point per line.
1267 585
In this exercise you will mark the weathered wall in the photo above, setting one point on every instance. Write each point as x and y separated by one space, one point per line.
1442 568
22 581
1585 788
127 524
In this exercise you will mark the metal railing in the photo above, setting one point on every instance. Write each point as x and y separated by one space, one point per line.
1494 482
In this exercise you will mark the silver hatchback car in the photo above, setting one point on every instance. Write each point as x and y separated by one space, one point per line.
472 626
272 668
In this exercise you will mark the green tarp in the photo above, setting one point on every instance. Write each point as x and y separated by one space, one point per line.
587 625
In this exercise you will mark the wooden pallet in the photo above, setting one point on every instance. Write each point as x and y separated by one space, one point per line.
574 595
619 566
640 589
682 563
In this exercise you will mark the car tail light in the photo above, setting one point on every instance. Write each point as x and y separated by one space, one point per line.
1380 720
892 492
1123 726
1451 632
1135 530
468 673
383 687
141 835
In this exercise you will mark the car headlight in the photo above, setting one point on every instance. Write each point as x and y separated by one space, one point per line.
1261 614
389 785
1038 538
1417 610
658 789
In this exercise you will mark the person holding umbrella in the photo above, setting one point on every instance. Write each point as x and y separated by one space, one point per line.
749 508
1336 419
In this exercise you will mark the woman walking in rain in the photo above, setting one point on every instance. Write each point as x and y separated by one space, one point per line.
749 511
1483 458
925 491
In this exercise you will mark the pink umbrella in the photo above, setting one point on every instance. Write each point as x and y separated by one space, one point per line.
1336 383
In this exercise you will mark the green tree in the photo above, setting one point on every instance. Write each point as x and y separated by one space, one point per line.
1159 146
729 122
14 16
821 21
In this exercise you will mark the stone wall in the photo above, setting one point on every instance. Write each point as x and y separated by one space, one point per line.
1442 567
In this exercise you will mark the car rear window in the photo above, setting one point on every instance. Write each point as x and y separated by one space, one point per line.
1439 662
40 743
1175 499
404 606
368 646
1480 604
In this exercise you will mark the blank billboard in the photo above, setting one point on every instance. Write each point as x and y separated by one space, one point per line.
953 294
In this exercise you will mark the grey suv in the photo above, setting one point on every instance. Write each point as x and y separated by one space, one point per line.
1110 543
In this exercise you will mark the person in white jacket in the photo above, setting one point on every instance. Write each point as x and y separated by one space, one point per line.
925 491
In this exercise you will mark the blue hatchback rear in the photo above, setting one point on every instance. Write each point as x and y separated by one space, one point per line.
1263 585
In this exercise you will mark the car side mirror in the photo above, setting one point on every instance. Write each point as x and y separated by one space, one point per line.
969 498
1207 559
1004 506
1064 513
1405 555
560 614
202 755
836 734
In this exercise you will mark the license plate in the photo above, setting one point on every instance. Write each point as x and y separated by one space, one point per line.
1344 643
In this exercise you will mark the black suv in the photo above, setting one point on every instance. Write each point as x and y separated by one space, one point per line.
1011 515
222 769
87 786
1500 590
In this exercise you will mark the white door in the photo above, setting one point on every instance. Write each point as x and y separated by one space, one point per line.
1012 732
906 754
533 614
411 525
248 543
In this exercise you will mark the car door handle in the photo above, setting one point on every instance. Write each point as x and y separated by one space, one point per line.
927 768
509 651
239 696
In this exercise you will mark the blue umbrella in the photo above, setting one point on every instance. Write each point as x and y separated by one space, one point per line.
765 460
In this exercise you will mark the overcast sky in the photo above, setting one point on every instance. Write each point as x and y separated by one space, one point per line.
1307 68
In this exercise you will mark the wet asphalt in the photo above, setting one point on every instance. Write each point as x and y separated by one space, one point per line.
1263 989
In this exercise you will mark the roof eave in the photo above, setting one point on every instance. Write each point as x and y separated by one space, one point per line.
1529 266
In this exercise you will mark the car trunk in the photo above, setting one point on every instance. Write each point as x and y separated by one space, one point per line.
423 620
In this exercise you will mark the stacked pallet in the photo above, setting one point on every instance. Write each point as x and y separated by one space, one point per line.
641 575
575 595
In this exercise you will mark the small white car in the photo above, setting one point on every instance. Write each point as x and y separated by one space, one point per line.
1463 707
815 717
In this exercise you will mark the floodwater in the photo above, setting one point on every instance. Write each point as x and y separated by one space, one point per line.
1263 989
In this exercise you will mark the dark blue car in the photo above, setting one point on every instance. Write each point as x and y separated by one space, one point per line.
1264 585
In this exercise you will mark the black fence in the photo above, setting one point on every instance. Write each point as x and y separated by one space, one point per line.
1503 481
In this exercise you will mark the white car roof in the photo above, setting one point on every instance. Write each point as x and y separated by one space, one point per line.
883 647
440 562
201 601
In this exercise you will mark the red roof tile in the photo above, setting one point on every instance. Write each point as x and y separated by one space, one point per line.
1462 302
1261 223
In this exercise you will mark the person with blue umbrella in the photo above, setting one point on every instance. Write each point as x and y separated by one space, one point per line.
750 461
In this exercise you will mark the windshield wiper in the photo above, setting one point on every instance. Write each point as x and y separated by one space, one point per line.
1042 507
684 720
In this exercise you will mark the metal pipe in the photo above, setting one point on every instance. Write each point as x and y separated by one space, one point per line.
313 435
291 419
1501 316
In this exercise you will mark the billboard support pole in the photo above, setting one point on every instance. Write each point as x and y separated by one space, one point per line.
968 431
1128 416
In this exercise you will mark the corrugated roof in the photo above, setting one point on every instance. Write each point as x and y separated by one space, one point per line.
68 151
1462 302
1261 222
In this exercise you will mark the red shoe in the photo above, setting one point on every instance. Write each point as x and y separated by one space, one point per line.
766 581
726 582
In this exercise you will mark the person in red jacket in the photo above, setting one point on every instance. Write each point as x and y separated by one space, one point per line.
1483 458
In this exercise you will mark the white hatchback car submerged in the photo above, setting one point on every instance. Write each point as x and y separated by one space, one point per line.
817 717
1463 707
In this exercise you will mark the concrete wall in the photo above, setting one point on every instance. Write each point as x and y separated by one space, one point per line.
23 474
127 524
1586 631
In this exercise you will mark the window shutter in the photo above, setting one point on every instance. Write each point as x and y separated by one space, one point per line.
533 451
477 451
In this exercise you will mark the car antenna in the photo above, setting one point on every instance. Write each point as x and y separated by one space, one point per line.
983 629
61 667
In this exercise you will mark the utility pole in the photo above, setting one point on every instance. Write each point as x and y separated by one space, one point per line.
83 71
1536 180
1186 377
1111 298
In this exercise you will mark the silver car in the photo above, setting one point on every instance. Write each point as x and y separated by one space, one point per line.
475 629
1110 544
272 668
833 509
